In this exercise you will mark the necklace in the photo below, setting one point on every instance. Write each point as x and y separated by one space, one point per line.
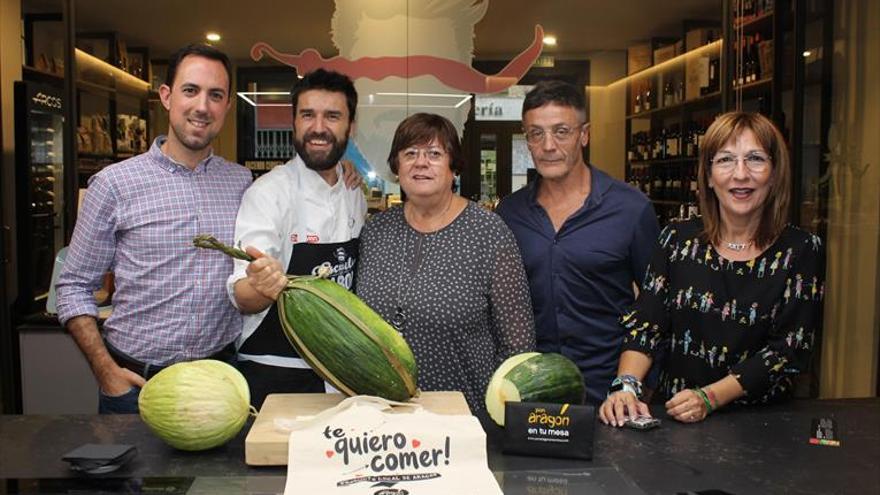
738 246
440 218
421 249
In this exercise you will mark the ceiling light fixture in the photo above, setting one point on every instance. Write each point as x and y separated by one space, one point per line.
252 98
463 98
212 37
807 53
550 40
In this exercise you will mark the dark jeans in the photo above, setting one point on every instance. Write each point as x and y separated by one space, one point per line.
126 403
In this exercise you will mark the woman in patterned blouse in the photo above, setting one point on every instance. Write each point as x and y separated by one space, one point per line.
734 297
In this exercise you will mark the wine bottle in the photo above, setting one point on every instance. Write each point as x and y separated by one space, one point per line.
714 75
643 145
671 142
756 57
676 186
657 187
688 139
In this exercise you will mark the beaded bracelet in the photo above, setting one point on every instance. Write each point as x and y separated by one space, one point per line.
705 398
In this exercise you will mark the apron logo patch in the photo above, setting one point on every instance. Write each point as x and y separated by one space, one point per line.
342 272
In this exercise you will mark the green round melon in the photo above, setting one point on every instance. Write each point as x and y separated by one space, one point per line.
534 377
195 405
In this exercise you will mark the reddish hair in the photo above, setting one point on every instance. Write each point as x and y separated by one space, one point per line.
774 211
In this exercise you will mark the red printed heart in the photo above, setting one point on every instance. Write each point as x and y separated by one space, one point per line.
329 453
416 443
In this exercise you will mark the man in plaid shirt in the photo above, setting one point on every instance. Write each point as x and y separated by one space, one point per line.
138 220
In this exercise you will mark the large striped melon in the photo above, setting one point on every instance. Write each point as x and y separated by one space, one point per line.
534 377
345 341
341 338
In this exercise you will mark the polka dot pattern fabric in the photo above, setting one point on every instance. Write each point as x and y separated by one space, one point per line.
466 299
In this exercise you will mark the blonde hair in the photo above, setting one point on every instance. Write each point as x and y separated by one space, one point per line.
774 211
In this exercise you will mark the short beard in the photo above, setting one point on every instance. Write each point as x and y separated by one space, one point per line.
192 143
320 164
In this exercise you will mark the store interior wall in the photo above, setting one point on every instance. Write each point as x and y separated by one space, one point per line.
852 304
10 71
608 112
225 144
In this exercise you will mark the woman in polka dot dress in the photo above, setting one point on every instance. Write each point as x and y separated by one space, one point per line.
445 272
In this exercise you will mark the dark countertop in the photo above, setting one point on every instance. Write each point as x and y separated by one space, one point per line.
742 451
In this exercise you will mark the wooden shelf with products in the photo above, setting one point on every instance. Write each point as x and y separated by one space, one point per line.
753 49
670 103
762 84
113 110
34 74
110 93
764 20
707 99
110 48
666 161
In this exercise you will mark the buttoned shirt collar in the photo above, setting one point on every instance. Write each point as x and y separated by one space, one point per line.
172 165
600 183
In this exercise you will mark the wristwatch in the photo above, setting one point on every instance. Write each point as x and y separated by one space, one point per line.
626 383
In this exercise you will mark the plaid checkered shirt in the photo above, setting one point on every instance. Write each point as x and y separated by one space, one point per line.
138 219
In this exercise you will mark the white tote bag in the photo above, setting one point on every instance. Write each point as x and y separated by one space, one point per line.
360 447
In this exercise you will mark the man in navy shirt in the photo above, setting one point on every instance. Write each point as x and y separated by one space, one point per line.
585 238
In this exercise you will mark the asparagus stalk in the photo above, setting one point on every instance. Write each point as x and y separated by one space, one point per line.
206 241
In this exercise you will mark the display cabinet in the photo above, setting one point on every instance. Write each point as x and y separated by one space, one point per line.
39 152
110 125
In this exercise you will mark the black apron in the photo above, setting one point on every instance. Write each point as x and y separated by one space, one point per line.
269 338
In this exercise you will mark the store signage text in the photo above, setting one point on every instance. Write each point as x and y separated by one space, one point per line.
46 100
497 108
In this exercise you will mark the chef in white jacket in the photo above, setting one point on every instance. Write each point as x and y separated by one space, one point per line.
294 220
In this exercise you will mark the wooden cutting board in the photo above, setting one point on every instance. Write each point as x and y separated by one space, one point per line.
266 446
